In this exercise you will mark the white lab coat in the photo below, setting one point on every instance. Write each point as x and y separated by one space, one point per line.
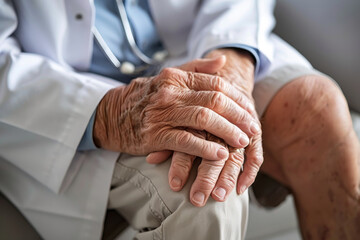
46 99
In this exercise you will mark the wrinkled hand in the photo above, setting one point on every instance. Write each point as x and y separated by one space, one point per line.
239 72
151 114
218 178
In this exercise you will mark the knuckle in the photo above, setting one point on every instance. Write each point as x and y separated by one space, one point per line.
163 137
218 83
242 117
229 179
181 167
218 100
168 72
259 132
238 159
257 157
240 99
162 81
183 139
202 117
166 94
204 149
255 166
258 160
190 78
212 167
206 183
246 102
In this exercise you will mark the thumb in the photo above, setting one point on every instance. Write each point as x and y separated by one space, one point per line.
205 65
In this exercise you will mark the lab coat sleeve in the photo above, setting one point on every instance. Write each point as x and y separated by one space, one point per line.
244 22
44 108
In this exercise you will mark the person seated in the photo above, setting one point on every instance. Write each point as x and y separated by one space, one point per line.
82 116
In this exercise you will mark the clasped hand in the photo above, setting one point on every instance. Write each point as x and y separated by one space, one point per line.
188 110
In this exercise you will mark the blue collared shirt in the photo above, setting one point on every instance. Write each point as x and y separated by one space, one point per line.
108 23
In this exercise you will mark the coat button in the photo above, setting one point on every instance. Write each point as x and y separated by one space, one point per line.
160 56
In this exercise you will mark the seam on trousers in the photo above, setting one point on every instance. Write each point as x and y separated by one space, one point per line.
155 214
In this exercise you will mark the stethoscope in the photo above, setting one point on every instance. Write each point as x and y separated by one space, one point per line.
127 67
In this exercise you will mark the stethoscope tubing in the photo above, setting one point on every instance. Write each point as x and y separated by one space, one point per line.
129 35
125 67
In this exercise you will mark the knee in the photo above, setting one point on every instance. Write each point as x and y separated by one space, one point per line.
316 97
311 104
310 113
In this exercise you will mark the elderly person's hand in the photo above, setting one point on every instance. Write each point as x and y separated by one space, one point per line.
152 114
218 178
239 72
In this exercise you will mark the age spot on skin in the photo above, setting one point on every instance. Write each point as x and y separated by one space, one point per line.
286 104
293 121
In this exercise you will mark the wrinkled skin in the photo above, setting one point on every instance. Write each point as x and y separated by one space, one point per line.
219 178
153 114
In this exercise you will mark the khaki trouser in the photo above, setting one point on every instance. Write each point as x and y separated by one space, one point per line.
141 193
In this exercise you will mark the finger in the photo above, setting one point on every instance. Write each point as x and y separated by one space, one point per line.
181 164
206 82
183 141
158 157
180 168
208 173
254 159
228 176
224 106
206 119
205 65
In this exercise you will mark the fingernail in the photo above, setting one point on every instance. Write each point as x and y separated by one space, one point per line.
220 193
242 189
254 128
222 153
175 182
199 198
244 141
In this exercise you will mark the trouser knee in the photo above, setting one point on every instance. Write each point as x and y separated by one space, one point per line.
142 195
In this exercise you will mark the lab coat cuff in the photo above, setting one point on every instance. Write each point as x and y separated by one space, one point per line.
264 51
253 51
87 142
